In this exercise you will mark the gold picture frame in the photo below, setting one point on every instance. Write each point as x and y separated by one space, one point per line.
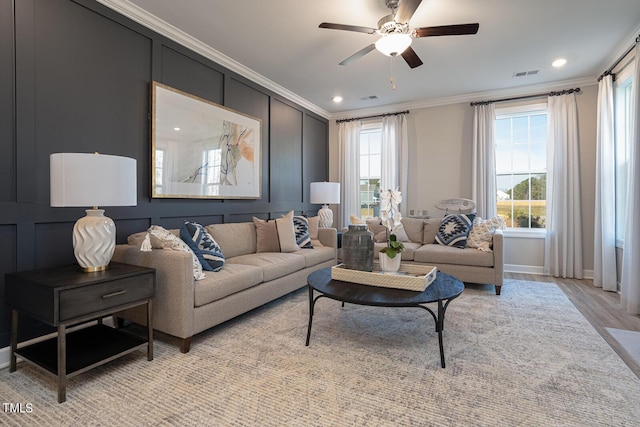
202 150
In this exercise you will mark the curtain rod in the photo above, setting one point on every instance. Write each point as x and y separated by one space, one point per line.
372 117
619 60
539 95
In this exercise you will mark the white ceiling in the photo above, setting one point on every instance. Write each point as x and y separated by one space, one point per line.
278 43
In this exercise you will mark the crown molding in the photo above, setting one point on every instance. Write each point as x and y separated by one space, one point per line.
467 98
146 19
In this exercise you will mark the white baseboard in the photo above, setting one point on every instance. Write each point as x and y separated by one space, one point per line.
5 353
525 269
531 269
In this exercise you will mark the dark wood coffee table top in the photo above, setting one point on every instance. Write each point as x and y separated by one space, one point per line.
444 287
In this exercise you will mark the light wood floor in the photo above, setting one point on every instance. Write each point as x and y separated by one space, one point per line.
602 309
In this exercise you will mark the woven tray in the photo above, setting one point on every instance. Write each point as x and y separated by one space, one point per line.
410 277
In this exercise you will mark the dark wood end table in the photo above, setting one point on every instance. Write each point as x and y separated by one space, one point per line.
66 296
443 290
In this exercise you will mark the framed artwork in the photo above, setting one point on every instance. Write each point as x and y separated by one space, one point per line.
200 149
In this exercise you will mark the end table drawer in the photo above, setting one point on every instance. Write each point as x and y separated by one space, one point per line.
102 296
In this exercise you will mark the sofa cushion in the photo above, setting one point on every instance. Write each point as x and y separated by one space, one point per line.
273 264
430 230
231 279
414 228
379 231
203 245
481 234
313 228
316 255
171 241
136 240
267 239
439 254
234 238
286 233
353 219
454 229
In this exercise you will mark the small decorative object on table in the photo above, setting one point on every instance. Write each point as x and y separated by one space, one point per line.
357 248
390 217
412 277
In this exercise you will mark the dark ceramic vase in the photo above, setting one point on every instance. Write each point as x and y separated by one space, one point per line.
357 248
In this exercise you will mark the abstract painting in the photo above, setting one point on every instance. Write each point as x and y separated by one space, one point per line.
200 149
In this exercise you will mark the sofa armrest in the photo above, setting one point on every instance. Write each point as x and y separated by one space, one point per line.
173 304
329 237
498 255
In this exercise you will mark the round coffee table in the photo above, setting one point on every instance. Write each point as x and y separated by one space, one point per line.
443 290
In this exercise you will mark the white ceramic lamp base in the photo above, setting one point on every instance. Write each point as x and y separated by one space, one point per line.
94 240
325 217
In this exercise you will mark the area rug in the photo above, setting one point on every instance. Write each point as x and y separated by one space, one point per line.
524 358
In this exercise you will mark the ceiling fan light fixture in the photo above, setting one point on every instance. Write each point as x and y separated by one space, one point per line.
393 44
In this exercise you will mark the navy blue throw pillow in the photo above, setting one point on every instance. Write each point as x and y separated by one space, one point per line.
203 245
301 227
454 230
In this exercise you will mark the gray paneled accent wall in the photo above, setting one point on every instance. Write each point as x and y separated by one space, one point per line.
75 77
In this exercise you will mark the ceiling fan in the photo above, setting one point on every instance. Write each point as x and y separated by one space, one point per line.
397 34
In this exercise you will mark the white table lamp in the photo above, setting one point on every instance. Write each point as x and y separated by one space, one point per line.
82 180
325 193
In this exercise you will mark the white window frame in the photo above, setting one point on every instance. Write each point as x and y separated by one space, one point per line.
368 127
622 129
534 233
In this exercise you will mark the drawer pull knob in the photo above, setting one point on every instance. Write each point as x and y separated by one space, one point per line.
114 294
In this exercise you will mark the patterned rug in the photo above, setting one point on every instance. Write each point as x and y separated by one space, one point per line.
527 357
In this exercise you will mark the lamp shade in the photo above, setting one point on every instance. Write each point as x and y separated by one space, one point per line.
82 179
325 193
92 180
393 44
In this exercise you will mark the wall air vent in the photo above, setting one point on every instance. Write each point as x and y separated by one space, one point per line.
525 73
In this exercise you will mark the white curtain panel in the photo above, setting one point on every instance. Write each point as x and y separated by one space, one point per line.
395 160
604 245
630 284
349 166
563 243
484 187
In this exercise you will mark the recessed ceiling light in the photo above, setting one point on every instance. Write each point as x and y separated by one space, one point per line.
337 99
560 62
176 128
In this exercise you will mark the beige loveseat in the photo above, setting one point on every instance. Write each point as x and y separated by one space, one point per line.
469 264
183 307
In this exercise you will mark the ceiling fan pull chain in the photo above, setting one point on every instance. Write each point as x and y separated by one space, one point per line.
391 79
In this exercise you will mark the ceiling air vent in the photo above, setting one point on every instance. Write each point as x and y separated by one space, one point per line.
369 98
525 73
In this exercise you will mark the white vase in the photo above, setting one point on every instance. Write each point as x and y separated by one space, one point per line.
390 264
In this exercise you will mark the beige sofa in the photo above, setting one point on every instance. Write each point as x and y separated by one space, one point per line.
183 307
469 265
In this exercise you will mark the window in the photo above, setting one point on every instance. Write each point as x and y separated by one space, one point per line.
622 107
370 170
159 167
212 160
521 165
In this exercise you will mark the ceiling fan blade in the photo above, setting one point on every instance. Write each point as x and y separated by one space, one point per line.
359 54
446 30
412 58
406 9
355 28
